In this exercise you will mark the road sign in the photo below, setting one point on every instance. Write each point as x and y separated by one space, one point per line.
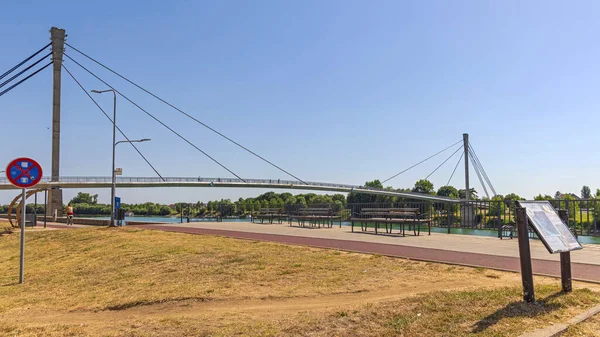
117 202
118 171
24 172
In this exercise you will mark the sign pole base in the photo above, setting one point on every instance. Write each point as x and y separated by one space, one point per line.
22 264
565 272
525 255
565 260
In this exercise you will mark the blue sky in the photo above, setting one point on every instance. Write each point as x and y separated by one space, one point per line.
336 91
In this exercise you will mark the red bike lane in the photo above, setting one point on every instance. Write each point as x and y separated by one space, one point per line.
580 271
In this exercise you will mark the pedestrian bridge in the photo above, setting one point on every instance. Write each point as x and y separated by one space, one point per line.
146 182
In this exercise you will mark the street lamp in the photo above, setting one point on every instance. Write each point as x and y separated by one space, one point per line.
114 181
133 141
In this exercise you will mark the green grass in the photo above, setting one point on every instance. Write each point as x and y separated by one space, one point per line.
587 328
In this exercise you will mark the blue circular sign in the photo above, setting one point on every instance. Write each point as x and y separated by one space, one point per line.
24 172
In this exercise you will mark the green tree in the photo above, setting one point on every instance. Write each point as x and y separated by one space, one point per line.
423 186
541 197
264 204
165 210
463 195
151 209
509 199
557 195
448 191
586 193
571 205
300 200
339 197
85 198
354 197
497 205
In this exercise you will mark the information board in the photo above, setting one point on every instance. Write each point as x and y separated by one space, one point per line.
549 227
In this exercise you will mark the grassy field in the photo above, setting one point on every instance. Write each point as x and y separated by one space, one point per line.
587 328
5 228
131 282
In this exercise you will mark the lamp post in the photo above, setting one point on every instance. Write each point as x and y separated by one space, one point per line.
112 194
114 179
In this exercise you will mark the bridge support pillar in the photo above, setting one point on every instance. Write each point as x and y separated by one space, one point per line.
466 154
55 202
57 37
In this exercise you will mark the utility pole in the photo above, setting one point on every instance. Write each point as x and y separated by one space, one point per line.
466 149
57 36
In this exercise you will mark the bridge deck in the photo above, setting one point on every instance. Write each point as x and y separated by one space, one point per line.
145 182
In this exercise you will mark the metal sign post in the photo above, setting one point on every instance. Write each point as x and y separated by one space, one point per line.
23 173
525 255
565 260
22 263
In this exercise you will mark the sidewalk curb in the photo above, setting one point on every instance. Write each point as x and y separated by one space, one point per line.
554 330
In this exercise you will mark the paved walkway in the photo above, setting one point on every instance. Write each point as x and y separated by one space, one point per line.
468 250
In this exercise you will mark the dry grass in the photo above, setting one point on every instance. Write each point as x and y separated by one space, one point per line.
99 269
4 225
124 282
587 328
460 313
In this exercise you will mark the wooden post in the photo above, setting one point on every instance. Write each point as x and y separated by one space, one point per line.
565 259
525 255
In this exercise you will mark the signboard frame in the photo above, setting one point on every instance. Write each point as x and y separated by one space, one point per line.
24 173
17 167
549 227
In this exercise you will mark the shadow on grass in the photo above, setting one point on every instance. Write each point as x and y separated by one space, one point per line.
9 284
519 309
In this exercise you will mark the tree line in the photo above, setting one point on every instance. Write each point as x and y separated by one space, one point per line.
87 204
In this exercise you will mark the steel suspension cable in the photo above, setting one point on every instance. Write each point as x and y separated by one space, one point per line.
478 174
483 170
153 117
186 114
444 162
422 161
25 79
110 119
24 61
480 167
24 70
455 167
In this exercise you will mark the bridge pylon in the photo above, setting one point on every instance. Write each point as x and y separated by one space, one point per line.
57 37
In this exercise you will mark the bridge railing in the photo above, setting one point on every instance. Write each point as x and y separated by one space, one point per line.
97 179
477 216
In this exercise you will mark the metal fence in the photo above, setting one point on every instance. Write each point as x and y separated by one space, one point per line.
584 215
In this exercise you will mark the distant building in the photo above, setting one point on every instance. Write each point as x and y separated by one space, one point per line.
572 195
